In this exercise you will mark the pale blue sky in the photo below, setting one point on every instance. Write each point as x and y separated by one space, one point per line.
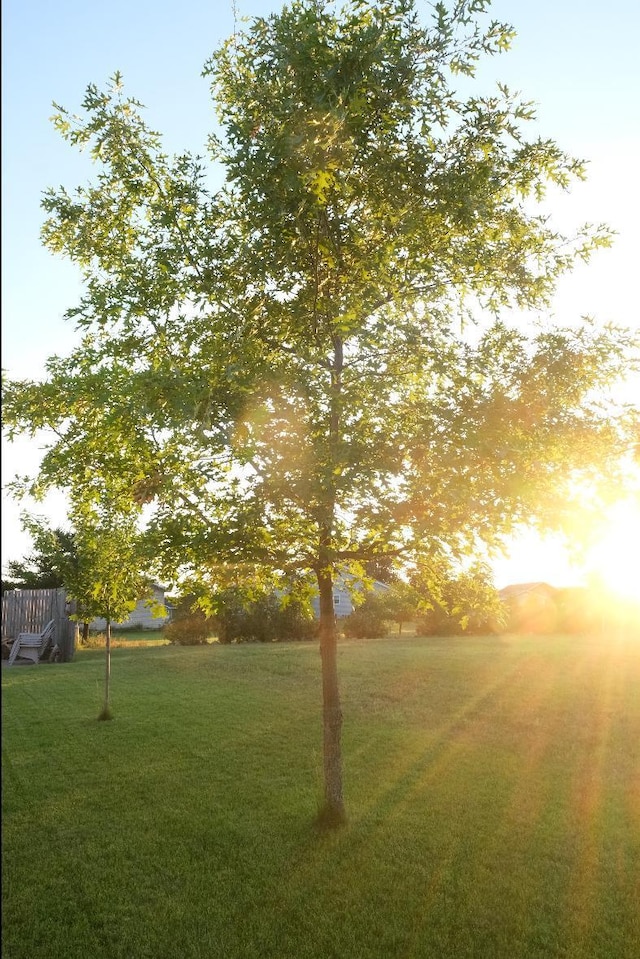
577 59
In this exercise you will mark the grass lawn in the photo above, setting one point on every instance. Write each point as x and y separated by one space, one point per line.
492 785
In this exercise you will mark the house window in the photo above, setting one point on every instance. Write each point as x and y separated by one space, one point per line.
336 599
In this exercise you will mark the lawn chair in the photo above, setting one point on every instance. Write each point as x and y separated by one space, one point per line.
32 645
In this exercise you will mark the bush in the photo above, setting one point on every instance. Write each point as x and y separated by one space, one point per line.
295 621
442 622
368 621
439 622
189 627
456 621
266 619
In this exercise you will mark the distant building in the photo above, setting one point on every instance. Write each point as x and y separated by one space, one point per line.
540 608
342 595
532 607
580 610
142 617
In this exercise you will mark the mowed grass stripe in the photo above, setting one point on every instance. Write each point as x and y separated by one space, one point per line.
492 788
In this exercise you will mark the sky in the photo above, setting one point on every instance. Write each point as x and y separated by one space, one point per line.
576 59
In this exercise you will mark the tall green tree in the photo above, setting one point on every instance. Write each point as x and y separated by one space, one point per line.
313 368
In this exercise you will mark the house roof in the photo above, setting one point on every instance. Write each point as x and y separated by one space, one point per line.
521 589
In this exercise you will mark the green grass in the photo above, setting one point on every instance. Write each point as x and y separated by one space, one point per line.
492 785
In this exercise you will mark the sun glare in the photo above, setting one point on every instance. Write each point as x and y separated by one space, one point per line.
613 561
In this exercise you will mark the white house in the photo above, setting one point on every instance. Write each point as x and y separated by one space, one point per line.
143 616
342 601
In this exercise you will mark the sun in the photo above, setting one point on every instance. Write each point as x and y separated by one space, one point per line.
614 561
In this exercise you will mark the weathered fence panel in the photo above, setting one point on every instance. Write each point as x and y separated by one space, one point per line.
29 610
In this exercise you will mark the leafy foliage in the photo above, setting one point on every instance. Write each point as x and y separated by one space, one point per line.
314 366
109 578
53 559
190 625
265 619
466 603
401 602
241 615
282 361
440 601
192 629
369 620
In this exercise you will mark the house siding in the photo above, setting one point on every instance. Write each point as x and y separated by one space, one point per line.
142 617
342 602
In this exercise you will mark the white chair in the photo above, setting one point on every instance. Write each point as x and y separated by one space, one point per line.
32 646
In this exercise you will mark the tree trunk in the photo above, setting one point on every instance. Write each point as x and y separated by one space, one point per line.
107 673
85 633
106 709
333 812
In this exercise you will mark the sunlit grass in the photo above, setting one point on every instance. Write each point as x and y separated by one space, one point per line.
127 639
493 790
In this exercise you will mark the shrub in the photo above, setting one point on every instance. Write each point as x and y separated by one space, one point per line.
190 629
369 620
189 626
294 620
266 619
457 622
439 622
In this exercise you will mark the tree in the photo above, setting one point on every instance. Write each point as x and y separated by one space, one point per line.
402 602
314 367
383 569
54 554
458 602
108 580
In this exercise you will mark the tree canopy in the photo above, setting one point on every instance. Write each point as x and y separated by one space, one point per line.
314 367
53 557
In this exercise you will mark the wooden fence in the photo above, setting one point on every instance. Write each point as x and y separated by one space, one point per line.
29 610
